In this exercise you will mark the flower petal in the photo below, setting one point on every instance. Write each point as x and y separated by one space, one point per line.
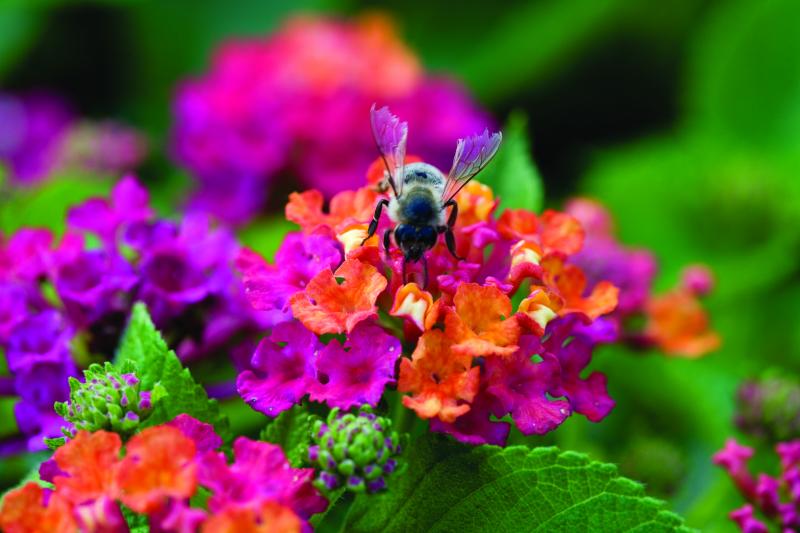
327 306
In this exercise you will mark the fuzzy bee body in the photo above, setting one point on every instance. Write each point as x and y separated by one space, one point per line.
422 193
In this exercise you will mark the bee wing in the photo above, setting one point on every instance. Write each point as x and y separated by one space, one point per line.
472 155
390 137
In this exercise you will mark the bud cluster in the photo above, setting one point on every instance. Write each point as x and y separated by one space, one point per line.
355 451
108 399
769 408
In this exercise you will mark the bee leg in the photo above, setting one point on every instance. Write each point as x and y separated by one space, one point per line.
450 240
387 236
373 226
449 236
451 220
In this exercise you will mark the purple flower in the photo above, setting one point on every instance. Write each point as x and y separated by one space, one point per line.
129 204
186 268
91 284
476 426
356 373
520 387
13 308
588 396
204 437
32 130
299 258
283 369
40 338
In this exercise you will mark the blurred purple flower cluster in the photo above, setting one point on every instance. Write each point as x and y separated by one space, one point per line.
297 101
776 498
67 300
40 134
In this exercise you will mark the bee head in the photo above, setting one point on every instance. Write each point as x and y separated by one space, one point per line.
415 240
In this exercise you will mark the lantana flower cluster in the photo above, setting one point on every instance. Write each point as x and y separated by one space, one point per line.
506 334
159 473
297 101
40 133
775 498
65 302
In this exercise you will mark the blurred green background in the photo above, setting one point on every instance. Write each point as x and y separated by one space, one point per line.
682 117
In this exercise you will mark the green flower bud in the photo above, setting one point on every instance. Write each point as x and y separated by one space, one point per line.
355 451
107 399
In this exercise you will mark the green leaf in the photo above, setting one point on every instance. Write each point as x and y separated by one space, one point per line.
160 370
138 523
512 174
453 487
291 430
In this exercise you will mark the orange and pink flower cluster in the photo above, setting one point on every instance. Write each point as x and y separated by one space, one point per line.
157 473
507 331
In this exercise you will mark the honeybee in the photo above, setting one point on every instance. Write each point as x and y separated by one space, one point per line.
421 192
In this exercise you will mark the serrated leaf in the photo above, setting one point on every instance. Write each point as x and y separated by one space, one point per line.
291 430
453 487
55 443
160 370
512 174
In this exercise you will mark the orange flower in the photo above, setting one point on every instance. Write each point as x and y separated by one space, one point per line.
678 324
482 323
268 517
347 208
416 305
569 282
91 461
159 464
438 378
23 511
329 307
554 231
561 232
476 203
538 309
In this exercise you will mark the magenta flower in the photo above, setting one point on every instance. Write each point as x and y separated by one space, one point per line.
259 471
777 499
520 387
297 101
283 369
357 372
299 258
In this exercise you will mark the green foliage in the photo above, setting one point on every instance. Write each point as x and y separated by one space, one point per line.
158 366
452 487
512 174
744 83
46 205
291 430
